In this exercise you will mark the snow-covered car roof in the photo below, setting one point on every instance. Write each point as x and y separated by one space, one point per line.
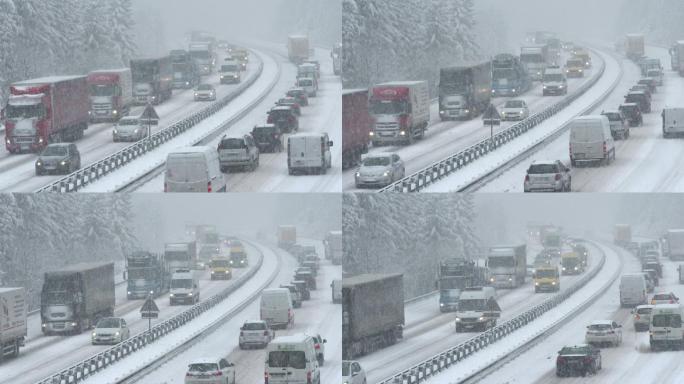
544 162
602 322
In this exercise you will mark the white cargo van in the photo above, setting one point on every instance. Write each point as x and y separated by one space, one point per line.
292 360
309 152
184 287
673 122
193 169
633 290
591 140
276 307
336 286
665 329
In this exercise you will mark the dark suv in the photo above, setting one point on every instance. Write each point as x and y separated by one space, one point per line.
640 98
268 138
284 118
633 114
60 158
299 94
578 360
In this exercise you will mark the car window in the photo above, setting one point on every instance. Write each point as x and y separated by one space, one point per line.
667 320
55 150
661 297
540 169
254 326
644 311
205 87
233 143
284 359
514 104
203 367
376 161
108 323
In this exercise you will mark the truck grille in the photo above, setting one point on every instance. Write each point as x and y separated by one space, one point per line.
58 325
23 139
469 320
387 127
101 107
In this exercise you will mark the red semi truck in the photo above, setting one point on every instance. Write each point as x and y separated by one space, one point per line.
357 125
111 94
401 111
46 110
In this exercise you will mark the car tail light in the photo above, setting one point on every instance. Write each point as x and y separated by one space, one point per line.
605 149
209 187
265 333
527 178
637 316
217 373
269 119
265 377
558 176
560 360
317 346
587 360
308 378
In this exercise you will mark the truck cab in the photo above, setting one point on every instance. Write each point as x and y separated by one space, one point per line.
238 256
546 278
184 287
220 268
571 264
230 72
574 67
477 309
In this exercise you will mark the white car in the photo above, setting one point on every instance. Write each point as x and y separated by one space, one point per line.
604 332
255 332
352 373
642 317
380 170
110 330
129 128
210 371
548 175
664 298
319 345
515 110
205 92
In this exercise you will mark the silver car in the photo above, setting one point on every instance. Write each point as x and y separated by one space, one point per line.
205 92
110 330
255 333
642 317
515 110
550 176
352 373
619 126
130 129
380 170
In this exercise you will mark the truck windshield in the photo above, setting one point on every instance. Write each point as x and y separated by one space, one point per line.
575 63
379 107
501 262
176 255
56 291
285 359
502 73
450 293
546 273
24 111
472 305
140 273
181 283
672 320
103 90
220 264
531 58
229 68
202 55
144 73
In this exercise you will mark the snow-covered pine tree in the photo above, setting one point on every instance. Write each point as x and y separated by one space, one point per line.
121 24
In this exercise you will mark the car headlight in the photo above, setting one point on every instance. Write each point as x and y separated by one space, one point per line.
190 294
73 324
114 112
117 333
212 272
129 292
64 162
369 134
441 304
358 174
171 295
442 112
510 279
482 318
39 163
491 279
458 319
8 141
94 334
136 131
553 283
402 133
386 173
564 268
536 283
116 131
196 94
242 261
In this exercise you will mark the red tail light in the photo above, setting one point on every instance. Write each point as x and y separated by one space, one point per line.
265 377
637 316
217 373
605 148
317 346
527 178
209 187
671 301
308 377
270 119
558 176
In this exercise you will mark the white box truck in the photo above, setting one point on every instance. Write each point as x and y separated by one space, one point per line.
12 321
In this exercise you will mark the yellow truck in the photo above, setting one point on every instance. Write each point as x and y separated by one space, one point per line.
238 256
220 268
572 263
546 278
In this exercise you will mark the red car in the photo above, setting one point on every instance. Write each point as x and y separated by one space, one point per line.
292 103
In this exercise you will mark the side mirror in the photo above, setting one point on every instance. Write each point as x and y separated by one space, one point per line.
330 143
325 341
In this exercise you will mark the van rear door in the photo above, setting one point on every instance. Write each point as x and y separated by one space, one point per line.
587 141
186 172
306 151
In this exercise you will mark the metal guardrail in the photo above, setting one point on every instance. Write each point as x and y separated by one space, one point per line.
441 169
101 168
80 371
443 361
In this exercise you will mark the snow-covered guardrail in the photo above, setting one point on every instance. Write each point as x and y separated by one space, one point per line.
443 361
86 175
441 169
80 371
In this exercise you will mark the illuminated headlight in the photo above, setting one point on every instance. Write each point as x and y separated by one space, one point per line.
553 283
510 279
154 97
129 292
386 173
545 87
39 163
561 86
564 268
482 318
369 134
44 325
581 70
442 112
467 111
235 76
117 333
536 283
171 295
8 141
115 112
458 319
73 324
491 280
358 174
116 131
151 292
441 304
212 272
63 162
402 133
587 63
575 268
187 83
196 94
513 89
223 77
190 294
136 131
94 334
40 140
